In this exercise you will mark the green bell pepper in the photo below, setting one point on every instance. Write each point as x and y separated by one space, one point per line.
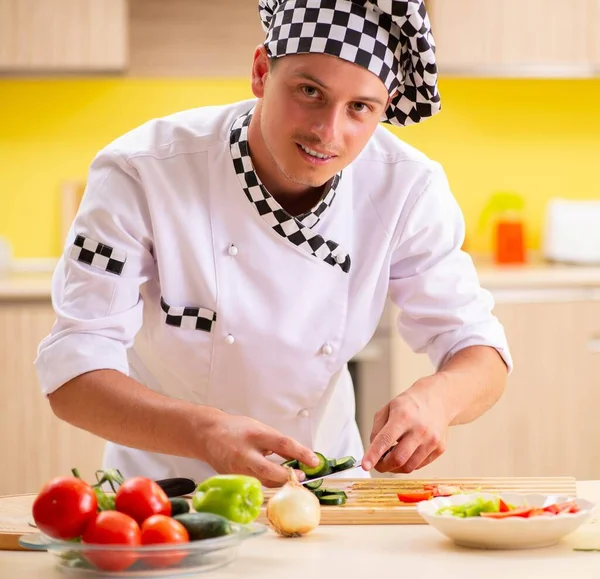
235 497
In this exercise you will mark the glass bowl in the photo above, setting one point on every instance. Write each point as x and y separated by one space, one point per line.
167 560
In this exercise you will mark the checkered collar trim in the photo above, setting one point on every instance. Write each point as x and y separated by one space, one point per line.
297 230
390 38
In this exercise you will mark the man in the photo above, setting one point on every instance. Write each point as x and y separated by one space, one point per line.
227 262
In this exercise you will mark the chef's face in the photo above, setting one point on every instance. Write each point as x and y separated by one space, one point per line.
316 113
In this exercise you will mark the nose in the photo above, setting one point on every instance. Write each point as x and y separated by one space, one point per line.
327 124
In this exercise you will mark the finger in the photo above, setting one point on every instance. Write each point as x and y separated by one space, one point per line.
385 439
401 454
417 457
379 420
432 456
287 447
269 473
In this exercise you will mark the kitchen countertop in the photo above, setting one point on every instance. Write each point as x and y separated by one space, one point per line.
382 551
536 274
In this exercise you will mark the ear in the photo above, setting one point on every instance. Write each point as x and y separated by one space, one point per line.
260 69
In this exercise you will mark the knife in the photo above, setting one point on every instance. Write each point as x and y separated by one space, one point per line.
357 464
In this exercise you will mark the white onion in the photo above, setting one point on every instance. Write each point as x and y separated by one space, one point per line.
293 510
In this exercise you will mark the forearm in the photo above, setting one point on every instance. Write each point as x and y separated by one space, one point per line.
475 380
117 408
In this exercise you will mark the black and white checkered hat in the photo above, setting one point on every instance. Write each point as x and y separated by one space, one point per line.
390 38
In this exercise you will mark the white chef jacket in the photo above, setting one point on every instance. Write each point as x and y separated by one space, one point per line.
182 272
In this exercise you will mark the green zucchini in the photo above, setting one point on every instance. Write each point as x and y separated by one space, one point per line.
179 506
291 463
204 525
314 485
322 469
340 464
332 499
327 492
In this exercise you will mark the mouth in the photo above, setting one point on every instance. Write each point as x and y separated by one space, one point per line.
314 156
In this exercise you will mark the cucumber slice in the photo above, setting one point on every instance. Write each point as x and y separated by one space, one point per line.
344 463
330 492
322 469
330 500
291 463
314 485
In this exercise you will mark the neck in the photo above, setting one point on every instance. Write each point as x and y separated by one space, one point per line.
293 197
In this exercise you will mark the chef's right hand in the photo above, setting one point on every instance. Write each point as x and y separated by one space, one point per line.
240 445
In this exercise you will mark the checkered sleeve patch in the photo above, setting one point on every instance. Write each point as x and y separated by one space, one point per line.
96 254
189 318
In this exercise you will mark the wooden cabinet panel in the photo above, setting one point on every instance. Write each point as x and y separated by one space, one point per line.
63 35
512 36
191 38
547 418
34 445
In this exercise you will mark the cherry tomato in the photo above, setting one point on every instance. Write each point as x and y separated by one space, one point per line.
64 507
160 529
112 528
141 498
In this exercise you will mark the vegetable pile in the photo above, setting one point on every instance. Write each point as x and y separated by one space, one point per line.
139 513
498 509
325 467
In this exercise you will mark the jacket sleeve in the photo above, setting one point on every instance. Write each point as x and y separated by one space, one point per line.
443 308
96 284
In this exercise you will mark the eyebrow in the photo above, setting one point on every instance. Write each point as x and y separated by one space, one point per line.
369 99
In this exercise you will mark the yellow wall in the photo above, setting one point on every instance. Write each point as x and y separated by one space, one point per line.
540 138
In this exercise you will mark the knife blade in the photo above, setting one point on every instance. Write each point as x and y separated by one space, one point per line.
357 464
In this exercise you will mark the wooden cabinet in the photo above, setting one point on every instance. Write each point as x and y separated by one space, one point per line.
546 423
63 35
34 445
512 37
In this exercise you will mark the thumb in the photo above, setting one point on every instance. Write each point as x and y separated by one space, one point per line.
383 441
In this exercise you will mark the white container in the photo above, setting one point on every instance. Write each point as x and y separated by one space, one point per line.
572 232
5 256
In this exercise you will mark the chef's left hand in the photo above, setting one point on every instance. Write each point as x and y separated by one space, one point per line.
414 425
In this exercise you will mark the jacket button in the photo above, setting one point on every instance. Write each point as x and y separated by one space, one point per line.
327 350
229 339
233 250
303 413
340 258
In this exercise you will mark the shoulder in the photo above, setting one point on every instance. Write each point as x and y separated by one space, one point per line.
185 132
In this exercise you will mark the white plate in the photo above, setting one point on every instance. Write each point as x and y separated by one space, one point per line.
508 533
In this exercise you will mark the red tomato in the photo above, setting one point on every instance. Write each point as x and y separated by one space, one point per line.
64 507
141 498
519 512
112 528
160 529
416 497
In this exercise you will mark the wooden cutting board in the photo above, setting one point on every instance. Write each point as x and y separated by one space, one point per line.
370 502
374 501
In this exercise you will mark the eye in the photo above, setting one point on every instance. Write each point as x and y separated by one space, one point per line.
359 107
309 91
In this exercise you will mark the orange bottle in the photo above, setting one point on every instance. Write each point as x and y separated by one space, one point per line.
510 241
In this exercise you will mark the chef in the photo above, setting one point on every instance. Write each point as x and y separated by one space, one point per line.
227 262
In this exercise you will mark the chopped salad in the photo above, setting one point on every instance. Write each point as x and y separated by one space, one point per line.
498 509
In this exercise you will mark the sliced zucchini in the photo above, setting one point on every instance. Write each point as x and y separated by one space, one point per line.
314 485
291 463
322 469
344 463
329 492
333 499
